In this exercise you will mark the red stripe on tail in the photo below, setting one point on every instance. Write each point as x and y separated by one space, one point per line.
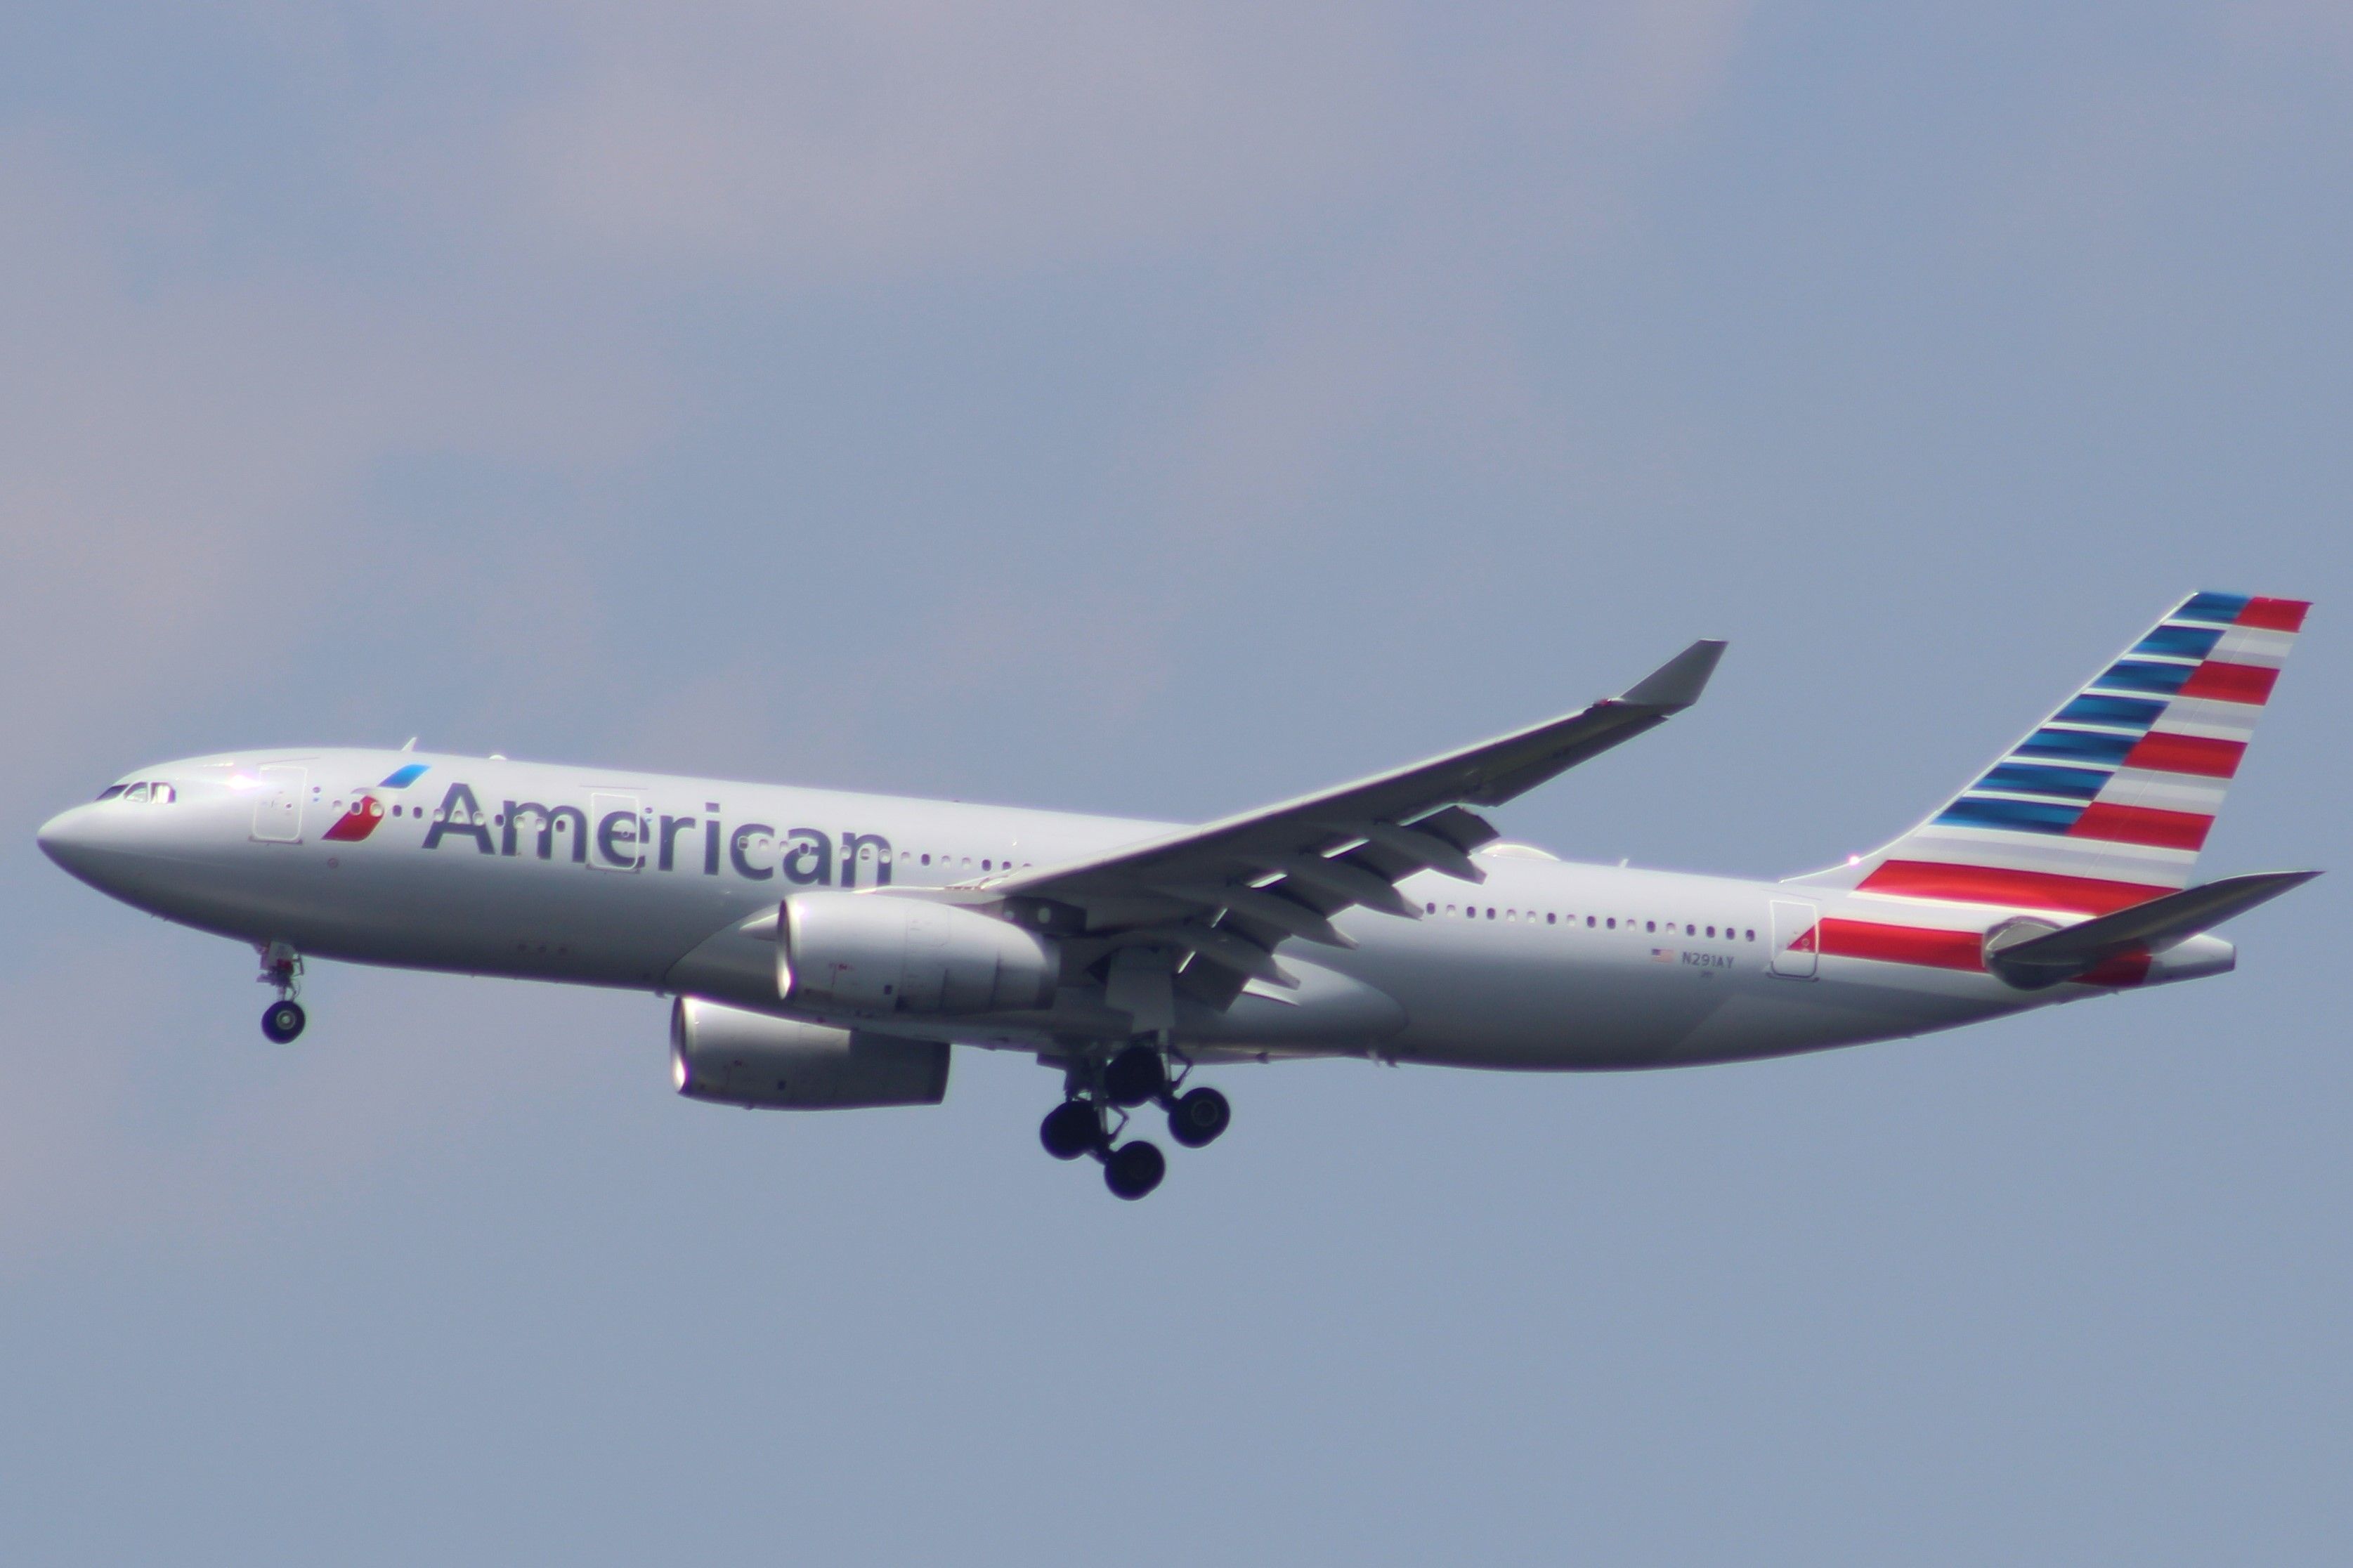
2275 614
2142 824
2012 889
2197 754
2227 682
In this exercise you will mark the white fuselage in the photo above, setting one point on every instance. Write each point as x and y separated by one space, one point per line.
670 885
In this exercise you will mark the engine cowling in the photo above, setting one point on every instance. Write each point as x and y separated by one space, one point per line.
861 952
730 1056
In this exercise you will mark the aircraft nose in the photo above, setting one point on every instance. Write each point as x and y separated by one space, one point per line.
75 839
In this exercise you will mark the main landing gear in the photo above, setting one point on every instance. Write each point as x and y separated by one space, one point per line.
1100 1090
281 966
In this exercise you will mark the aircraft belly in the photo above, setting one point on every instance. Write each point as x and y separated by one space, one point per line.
1776 1019
1539 1017
1327 1011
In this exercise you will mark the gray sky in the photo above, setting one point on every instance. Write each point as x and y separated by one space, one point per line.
1163 409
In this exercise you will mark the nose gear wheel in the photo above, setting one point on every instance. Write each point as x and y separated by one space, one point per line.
281 968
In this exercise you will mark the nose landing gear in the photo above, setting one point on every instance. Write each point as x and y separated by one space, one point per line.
1100 1090
281 966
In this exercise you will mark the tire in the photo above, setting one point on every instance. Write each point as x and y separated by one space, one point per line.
283 1021
1071 1129
1135 1075
1198 1116
1134 1169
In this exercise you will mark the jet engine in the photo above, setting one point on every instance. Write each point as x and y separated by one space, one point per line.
730 1056
866 953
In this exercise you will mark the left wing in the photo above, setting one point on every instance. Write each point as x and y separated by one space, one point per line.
1211 904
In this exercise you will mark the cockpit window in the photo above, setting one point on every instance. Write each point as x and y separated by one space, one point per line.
163 794
138 792
110 791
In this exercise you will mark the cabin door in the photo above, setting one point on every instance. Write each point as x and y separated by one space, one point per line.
1797 946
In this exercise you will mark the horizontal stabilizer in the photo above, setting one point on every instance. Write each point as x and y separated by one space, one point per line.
2148 927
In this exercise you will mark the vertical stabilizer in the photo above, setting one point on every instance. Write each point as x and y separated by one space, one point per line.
2107 803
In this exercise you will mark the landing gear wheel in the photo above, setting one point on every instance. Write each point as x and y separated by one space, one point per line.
283 1021
1072 1129
1134 1169
1197 1117
1135 1075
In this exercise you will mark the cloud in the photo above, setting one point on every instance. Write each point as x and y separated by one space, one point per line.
830 140
839 143
181 451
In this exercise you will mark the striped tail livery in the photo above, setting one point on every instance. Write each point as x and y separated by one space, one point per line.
2107 803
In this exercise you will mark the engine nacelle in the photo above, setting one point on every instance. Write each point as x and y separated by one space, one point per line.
869 954
730 1056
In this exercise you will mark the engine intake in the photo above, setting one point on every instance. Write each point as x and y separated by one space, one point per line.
870 954
730 1056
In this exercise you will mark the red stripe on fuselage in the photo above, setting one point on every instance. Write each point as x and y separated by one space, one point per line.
2226 682
1996 885
2275 614
1964 951
1903 945
2142 824
2197 754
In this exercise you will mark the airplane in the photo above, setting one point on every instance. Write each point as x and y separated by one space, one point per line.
826 950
